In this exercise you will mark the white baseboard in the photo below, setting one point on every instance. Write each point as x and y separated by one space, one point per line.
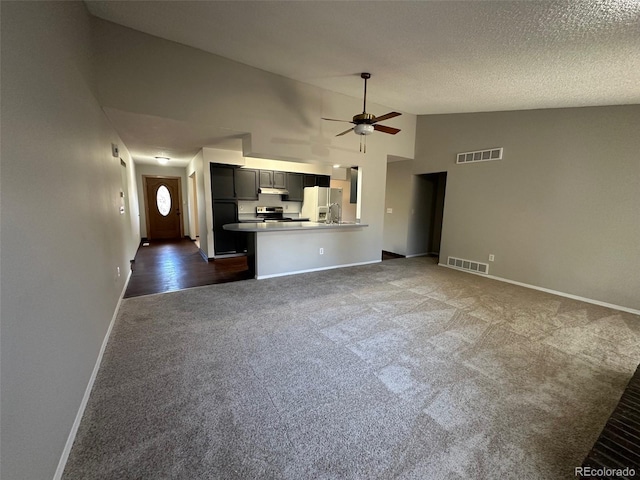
548 290
83 404
284 274
417 255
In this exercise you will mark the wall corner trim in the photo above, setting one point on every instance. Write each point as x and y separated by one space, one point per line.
553 292
87 393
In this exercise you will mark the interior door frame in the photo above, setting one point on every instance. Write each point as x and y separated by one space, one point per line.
146 201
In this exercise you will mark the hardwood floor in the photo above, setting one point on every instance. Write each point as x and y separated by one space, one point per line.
168 265
390 255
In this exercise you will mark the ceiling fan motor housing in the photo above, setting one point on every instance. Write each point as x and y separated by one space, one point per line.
363 118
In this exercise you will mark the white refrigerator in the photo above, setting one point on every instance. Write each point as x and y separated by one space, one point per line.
322 203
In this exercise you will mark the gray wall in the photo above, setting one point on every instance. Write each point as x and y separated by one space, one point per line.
398 197
561 211
62 234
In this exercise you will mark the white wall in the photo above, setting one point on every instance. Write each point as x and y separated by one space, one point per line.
162 170
559 212
196 166
299 251
62 234
286 126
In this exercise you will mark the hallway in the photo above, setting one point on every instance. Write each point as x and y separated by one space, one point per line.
169 265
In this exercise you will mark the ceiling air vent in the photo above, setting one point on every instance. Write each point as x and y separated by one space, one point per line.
469 265
480 156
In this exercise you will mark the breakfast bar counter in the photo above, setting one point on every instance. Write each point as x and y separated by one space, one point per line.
287 226
284 248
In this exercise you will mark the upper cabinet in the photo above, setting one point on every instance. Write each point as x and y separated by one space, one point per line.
223 181
271 179
246 182
294 186
317 180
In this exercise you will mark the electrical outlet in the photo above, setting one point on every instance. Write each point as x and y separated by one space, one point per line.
241 207
118 269
389 210
492 257
321 251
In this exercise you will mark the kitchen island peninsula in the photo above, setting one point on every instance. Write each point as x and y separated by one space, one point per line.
283 248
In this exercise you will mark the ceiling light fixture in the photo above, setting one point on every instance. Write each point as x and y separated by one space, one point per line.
162 160
363 129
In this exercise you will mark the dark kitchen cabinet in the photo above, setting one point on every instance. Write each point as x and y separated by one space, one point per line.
309 180
225 241
223 182
323 180
295 188
316 180
279 180
246 183
271 179
266 178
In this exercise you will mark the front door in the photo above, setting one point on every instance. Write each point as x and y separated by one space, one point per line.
163 200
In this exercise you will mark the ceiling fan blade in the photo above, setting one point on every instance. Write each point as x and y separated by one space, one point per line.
385 129
386 116
336 120
345 132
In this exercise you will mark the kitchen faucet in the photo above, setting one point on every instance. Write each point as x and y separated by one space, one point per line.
330 216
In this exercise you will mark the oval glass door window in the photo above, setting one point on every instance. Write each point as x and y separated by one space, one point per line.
163 200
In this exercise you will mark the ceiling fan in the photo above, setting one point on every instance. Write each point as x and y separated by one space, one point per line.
366 123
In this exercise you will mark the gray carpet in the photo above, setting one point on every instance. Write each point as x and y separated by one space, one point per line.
399 370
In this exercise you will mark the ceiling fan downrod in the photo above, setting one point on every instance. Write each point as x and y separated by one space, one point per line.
365 76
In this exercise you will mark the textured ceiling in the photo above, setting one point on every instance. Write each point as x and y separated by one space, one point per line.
425 57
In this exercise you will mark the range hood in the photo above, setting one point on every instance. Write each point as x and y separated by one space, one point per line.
274 191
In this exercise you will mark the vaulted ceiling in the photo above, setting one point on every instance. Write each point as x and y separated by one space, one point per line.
425 57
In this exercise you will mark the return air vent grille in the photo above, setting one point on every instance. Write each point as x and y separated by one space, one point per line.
480 156
470 265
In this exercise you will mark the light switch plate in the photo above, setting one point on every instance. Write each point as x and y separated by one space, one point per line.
389 210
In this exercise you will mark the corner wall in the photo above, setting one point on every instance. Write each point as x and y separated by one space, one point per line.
62 234
560 211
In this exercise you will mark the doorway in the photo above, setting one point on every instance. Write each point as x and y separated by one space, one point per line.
433 187
162 201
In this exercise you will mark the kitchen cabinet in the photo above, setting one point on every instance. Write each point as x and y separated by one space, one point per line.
225 241
294 186
223 181
246 184
271 179
316 180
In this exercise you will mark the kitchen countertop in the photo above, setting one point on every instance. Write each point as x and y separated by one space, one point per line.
287 226
260 220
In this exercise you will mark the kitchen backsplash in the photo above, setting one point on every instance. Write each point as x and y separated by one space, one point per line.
248 207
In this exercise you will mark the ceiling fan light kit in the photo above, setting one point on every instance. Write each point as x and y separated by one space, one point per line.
363 129
366 123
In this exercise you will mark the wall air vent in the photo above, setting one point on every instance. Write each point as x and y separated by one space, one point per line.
469 265
480 156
